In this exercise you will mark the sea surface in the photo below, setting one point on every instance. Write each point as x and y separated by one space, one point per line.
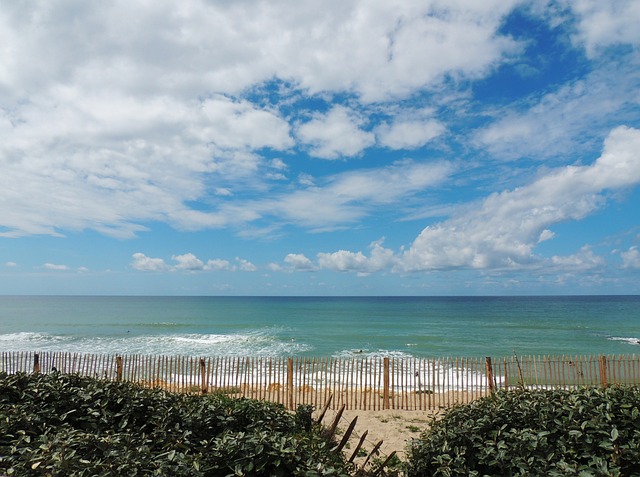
322 326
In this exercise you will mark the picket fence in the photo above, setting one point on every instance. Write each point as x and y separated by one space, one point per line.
358 383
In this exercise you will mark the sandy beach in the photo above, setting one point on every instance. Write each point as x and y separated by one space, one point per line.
394 427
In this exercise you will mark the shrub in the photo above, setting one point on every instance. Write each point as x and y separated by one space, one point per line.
583 432
76 426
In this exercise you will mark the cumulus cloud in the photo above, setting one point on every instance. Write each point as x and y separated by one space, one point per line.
122 161
376 48
631 258
297 261
343 261
503 230
379 258
336 134
147 264
218 264
117 115
585 259
189 262
409 131
603 24
245 265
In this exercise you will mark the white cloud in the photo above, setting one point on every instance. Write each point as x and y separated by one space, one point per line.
343 261
223 191
188 261
585 259
131 112
218 264
10 264
245 265
240 125
53 266
342 198
570 120
631 258
147 264
278 164
336 134
503 229
378 259
296 261
376 48
546 235
409 132
114 162
351 195
379 48
381 258
603 24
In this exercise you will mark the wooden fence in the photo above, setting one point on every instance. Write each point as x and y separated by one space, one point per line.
357 383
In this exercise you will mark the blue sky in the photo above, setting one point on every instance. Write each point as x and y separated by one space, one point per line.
361 148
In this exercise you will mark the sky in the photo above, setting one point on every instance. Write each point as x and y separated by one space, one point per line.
290 147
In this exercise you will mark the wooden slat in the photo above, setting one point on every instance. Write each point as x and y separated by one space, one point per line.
359 383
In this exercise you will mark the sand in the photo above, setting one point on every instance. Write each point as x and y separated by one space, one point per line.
394 427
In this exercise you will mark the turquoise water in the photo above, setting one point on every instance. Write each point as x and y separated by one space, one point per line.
319 327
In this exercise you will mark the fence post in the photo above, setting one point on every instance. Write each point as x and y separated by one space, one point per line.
385 395
490 374
290 382
602 364
204 386
36 363
118 368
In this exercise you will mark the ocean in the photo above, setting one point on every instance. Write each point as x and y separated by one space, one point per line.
322 326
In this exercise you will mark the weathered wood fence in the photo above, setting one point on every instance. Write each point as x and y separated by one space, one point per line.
357 383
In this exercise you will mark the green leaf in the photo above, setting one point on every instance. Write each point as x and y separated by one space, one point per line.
614 434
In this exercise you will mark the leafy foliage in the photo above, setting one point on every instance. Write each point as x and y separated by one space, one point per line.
77 426
584 432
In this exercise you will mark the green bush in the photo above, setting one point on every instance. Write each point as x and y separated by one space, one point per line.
583 432
54 425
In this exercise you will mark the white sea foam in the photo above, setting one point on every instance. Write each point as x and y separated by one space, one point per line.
367 353
16 341
633 341
266 351
260 343
341 374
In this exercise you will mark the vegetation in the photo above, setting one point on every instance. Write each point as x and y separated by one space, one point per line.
584 432
69 425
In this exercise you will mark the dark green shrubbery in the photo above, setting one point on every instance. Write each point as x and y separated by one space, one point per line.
585 432
55 425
